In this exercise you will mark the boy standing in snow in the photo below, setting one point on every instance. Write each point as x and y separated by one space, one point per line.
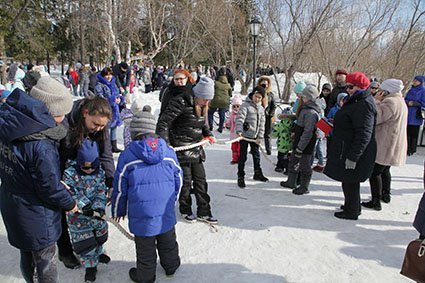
147 184
250 124
88 231
304 142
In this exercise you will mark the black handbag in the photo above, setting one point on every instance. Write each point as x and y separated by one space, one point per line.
414 261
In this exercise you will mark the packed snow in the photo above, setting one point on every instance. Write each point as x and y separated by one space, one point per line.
267 234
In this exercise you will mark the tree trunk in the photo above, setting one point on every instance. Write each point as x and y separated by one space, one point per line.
289 73
2 55
115 46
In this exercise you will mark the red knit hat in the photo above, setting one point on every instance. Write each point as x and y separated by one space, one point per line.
186 73
358 79
341 72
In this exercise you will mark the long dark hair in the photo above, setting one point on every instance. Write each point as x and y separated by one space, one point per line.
95 106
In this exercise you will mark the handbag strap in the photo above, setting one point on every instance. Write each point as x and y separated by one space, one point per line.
421 251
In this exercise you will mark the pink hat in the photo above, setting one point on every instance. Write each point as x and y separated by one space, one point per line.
236 100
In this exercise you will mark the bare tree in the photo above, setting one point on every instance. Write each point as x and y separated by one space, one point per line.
294 25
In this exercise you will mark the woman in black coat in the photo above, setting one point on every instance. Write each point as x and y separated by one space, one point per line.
352 152
87 120
182 123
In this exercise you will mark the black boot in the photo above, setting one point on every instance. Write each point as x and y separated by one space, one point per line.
115 149
386 198
70 261
90 275
103 258
267 146
258 175
134 276
290 183
241 182
374 203
304 183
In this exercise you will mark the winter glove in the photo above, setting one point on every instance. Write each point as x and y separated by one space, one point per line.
87 211
350 165
296 156
211 139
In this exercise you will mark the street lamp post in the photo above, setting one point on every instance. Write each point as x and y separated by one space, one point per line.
254 26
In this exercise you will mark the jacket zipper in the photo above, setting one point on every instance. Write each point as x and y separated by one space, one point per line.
342 150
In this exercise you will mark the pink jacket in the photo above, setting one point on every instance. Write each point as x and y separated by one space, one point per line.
232 123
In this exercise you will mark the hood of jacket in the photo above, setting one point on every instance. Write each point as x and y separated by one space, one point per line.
269 85
23 115
223 79
313 104
151 150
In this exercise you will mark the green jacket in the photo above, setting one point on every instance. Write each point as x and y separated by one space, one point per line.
222 93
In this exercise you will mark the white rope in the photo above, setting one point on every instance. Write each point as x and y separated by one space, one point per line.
186 147
119 227
203 142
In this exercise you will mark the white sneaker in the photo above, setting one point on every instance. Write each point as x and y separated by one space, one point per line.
189 218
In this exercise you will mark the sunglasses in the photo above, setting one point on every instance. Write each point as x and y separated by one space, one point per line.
180 79
350 86
373 88
236 106
87 168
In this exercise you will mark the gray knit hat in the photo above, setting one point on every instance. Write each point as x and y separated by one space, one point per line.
204 88
310 92
55 95
142 123
392 85
374 84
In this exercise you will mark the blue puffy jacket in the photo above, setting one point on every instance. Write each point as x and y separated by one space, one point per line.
417 95
147 183
31 194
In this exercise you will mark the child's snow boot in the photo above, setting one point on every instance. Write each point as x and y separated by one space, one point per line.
90 274
374 203
241 182
304 183
258 175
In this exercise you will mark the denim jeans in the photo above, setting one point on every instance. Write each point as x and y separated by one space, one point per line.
221 115
43 262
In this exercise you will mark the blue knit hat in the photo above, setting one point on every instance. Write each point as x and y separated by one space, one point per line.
420 79
299 87
88 154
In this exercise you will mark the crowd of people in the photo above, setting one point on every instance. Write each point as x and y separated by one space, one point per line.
58 176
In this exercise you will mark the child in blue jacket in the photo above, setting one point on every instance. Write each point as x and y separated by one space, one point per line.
147 184
88 230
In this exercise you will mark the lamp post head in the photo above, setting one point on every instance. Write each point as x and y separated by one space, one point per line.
254 25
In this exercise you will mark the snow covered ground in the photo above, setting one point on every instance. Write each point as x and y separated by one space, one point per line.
267 234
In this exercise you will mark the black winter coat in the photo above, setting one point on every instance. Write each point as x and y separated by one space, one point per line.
122 78
179 126
68 151
334 94
353 138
